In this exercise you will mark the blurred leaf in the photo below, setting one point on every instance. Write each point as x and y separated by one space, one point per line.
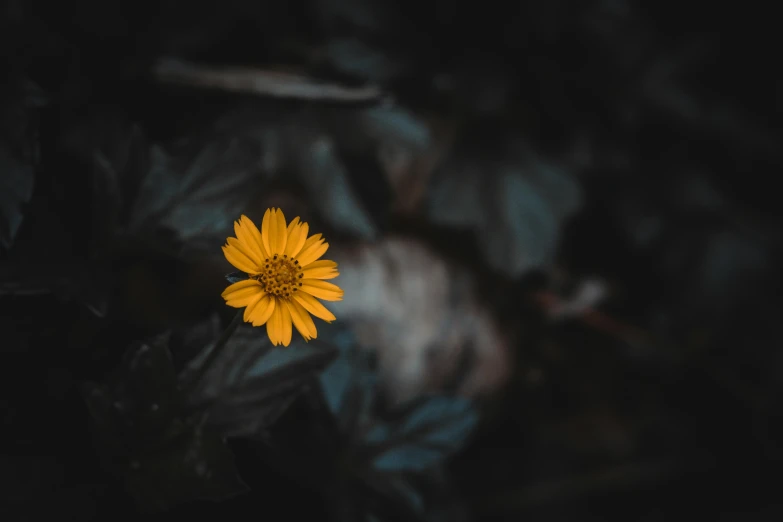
724 273
198 467
411 437
454 199
69 280
250 384
18 153
403 493
119 168
390 123
382 463
527 226
354 57
370 16
348 384
16 189
392 499
30 268
141 401
188 343
336 383
143 434
323 173
197 195
516 205
481 84
429 433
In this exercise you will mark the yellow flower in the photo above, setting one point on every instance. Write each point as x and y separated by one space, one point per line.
284 276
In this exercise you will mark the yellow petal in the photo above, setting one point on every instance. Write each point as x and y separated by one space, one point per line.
266 226
263 310
242 293
247 240
247 251
248 224
285 315
321 263
320 272
242 301
321 289
251 306
239 285
294 222
294 247
274 325
278 238
238 259
294 233
310 254
311 240
314 306
302 320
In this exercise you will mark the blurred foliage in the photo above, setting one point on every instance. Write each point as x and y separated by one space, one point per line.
18 152
164 453
562 209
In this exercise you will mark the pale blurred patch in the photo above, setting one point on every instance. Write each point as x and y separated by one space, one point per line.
423 317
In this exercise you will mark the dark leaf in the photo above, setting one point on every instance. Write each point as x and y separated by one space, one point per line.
735 271
322 171
235 277
428 434
136 410
16 189
357 59
402 494
198 467
197 195
188 344
250 384
408 494
397 125
368 16
68 280
143 435
413 437
336 383
516 208
18 153
119 168
150 370
348 383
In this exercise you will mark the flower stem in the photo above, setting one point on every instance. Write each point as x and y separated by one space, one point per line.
216 350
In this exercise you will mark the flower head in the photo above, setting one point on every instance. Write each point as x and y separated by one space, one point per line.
285 276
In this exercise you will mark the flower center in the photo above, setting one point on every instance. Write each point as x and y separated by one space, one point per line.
280 276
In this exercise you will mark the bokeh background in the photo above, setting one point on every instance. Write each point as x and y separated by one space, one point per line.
557 232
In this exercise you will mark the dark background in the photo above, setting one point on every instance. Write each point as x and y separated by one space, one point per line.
557 229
